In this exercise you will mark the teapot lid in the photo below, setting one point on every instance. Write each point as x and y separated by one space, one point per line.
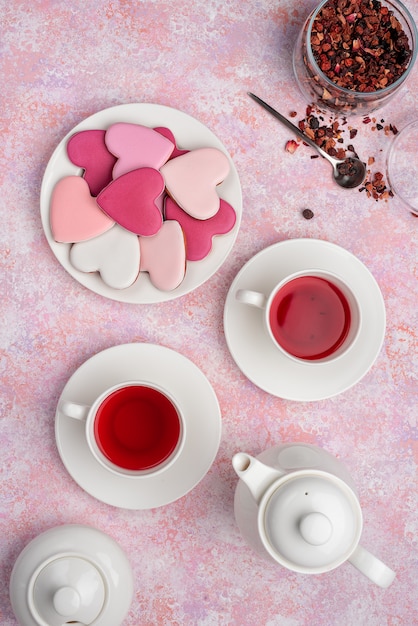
67 589
312 521
71 574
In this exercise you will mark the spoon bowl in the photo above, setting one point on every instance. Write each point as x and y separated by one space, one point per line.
348 173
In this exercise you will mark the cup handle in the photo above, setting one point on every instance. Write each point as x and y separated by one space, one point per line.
76 411
372 567
253 298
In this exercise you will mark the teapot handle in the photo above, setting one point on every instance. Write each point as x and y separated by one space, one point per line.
372 567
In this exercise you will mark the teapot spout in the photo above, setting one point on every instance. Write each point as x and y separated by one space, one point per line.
255 474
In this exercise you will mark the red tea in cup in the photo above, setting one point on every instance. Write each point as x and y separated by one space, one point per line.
137 427
309 317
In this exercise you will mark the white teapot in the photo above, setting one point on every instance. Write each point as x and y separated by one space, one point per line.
296 504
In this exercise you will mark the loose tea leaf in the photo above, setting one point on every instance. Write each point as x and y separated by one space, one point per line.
307 214
291 146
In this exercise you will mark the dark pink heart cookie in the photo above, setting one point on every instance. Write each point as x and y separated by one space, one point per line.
87 149
199 233
167 133
131 200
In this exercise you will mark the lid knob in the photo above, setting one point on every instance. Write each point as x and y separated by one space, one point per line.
316 528
66 601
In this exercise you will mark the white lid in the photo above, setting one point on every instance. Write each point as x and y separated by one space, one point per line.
312 521
71 574
75 587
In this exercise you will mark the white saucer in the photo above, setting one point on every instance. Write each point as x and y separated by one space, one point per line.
189 134
189 387
250 345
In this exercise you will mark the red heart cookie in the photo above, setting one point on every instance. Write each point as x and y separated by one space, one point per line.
114 254
137 146
163 256
74 214
199 233
166 132
131 200
191 180
87 149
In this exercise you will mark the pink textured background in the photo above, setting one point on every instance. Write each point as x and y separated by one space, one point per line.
62 61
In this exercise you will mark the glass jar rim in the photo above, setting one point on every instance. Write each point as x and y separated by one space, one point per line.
399 6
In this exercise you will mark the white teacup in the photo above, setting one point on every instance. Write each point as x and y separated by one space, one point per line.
310 316
132 428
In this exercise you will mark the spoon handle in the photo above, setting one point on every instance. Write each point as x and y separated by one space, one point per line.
289 125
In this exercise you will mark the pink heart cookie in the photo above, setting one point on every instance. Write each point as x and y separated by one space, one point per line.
87 149
115 255
163 256
169 135
131 200
199 233
74 214
191 180
137 146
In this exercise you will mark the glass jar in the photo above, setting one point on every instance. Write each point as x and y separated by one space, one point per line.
321 90
402 167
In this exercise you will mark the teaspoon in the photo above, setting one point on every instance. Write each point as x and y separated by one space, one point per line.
348 173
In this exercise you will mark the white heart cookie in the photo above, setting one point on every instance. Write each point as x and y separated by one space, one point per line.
115 255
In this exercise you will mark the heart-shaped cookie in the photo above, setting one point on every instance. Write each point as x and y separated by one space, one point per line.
74 213
166 132
199 233
163 256
137 146
131 199
191 180
115 255
87 149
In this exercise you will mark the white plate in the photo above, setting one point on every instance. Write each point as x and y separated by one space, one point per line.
249 343
189 387
189 134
